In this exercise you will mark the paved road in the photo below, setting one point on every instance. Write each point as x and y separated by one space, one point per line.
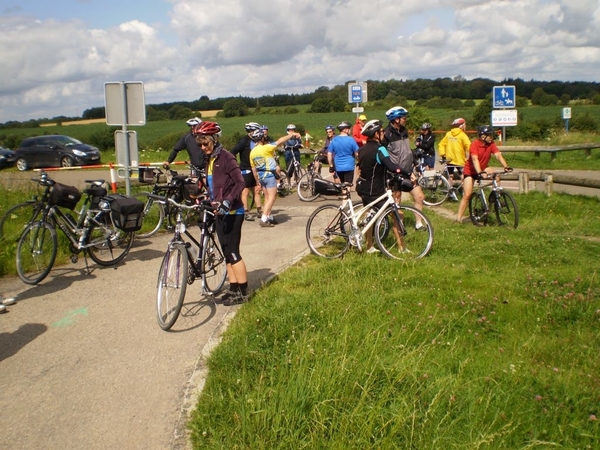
84 364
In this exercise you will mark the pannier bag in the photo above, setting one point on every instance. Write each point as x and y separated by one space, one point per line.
146 175
65 196
325 187
126 212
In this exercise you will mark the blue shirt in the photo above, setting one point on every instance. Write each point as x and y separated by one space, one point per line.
343 148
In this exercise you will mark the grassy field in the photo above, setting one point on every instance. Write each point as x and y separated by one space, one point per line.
490 342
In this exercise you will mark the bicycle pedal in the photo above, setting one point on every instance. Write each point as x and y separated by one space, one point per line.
74 258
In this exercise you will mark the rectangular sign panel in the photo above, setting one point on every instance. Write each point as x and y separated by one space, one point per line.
504 97
125 96
504 118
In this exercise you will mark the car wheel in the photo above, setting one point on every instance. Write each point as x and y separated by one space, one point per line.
67 161
21 164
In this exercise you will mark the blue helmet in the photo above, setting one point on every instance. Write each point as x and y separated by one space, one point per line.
396 112
329 127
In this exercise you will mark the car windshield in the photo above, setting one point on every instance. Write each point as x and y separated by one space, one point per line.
66 141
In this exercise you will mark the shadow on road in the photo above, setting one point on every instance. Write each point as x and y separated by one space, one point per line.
11 343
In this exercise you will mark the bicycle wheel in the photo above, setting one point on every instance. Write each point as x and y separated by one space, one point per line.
435 189
109 244
327 232
505 208
214 267
306 187
401 239
154 215
477 210
16 219
171 285
283 185
36 252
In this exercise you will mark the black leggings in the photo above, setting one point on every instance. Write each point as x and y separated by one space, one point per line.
229 232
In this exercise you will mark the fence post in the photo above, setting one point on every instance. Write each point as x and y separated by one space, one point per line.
549 185
523 183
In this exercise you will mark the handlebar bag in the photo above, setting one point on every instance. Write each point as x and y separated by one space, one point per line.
65 196
126 212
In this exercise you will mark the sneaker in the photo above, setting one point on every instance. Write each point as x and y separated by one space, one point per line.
266 224
452 195
236 299
249 217
419 226
373 250
226 295
8 301
273 221
2 309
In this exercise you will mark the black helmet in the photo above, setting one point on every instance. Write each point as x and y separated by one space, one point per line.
371 127
344 125
486 130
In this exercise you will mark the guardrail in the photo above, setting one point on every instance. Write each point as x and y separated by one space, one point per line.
525 177
538 150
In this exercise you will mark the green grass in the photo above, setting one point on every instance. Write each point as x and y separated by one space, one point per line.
490 342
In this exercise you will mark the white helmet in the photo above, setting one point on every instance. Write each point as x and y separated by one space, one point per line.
291 126
194 121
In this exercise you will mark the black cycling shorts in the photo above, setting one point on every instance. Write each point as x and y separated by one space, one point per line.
249 180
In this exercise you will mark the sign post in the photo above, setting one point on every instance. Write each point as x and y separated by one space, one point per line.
566 115
124 105
504 97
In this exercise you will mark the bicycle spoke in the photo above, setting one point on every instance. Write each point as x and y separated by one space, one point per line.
171 286
405 234
327 232
36 252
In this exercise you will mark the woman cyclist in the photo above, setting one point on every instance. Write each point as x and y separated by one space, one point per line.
225 185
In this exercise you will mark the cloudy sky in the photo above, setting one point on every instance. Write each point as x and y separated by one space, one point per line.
56 55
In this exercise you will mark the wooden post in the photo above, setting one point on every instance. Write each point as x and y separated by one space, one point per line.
549 185
523 183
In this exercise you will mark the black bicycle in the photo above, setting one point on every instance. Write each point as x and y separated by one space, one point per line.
306 184
181 188
188 260
500 202
103 229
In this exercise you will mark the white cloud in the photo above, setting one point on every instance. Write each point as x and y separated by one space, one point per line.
216 48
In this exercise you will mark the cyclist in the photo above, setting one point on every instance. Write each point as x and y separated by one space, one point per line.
188 142
395 138
225 184
322 159
374 162
480 153
243 148
357 130
342 153
291 150
425 144
266 171
454 147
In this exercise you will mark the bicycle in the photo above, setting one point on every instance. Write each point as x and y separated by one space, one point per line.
434 184
283 190
184 262
331 230
103 229
179 187
306 184
503 204
17 217
295 171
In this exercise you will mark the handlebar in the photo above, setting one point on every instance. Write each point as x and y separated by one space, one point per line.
203 204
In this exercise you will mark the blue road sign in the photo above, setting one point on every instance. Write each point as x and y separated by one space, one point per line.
504 97
356 90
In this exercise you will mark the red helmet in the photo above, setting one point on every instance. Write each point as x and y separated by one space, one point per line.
207 129
458 122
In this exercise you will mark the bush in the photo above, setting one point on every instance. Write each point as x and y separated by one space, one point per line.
584 122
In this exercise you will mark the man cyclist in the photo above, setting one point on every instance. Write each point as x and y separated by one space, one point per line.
454 147
342 153
291 151
322 159
188 142
395 138
374 162
480 152
243 148
425 144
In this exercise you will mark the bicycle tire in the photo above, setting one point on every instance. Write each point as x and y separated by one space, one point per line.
36 252
435 189
477 210
171 285
16 219
327 232
405 242
153 215
505 207
283 185
306 187
214 266
110 245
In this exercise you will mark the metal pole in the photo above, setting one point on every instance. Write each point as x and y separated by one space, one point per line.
125 133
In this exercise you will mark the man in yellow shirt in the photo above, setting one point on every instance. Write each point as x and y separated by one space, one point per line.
454 147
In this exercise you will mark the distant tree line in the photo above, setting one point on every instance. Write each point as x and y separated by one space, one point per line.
446 93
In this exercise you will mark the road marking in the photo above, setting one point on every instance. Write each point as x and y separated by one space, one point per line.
70 318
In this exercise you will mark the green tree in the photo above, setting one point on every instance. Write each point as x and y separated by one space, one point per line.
483 112
180 112
565 99
235 108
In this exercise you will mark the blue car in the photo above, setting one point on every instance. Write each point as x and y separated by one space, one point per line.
54 151
7 157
